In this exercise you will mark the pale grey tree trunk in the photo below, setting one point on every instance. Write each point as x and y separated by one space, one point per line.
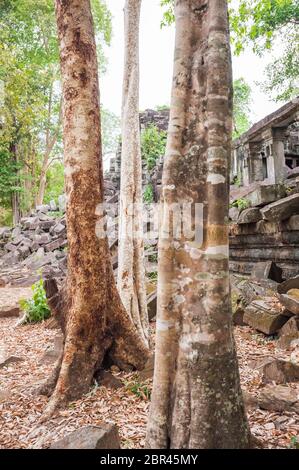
197 400
131 272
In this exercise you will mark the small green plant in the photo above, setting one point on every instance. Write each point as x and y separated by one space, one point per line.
148 195
153 144
237 181
141 390
36 309
294 443
241 204
162 107
153 276
153 258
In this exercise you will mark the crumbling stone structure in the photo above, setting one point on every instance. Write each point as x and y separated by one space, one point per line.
269 150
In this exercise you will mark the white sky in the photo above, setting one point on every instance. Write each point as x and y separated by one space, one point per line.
156 59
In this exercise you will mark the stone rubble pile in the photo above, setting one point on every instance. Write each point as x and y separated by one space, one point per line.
268 307
37 243
267 229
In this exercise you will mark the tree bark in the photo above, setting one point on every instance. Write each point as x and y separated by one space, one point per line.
96 327
197 400
50 143
15 196
131 272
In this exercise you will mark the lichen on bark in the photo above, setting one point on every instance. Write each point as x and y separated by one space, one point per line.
196 399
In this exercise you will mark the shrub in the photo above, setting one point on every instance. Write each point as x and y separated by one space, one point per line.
241 204
36 309
153 144
141 390
148 195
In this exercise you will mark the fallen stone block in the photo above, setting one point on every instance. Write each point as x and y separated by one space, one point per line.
234 213
10 247
55 244
10 360
62 203
52 354
282 209
255 289
16 232
265 194
293 223
265 316
152 305
288 333
290 303
53 205
280 372
59 228
90 437
279 398
250 216
107 379
43 208
5 232
9 311
238 316
267 270
148 371
285 286
250 400
46 224
258 363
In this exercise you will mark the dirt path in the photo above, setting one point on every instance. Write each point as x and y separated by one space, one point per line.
20 408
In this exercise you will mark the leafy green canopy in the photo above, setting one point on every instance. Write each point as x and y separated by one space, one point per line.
153 144
31 99
241 111
262 25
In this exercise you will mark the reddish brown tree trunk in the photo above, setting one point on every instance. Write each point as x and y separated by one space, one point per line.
95 324
197 400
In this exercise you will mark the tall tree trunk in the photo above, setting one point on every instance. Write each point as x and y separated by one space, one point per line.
131 272
95 324
197 400
50 142
15 196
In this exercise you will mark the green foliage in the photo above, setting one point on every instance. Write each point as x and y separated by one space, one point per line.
5 217
262 24
36 309
281 75
9 182
241 110
241 204
148 195
257 22
237 181
55 182
153 144
153 276
29 69
168 13
110 131
141 390
294 443
162 107
153 258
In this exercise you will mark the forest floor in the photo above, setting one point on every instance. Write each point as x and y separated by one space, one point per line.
21 408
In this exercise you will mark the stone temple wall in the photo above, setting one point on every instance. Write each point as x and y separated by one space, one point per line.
269 150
